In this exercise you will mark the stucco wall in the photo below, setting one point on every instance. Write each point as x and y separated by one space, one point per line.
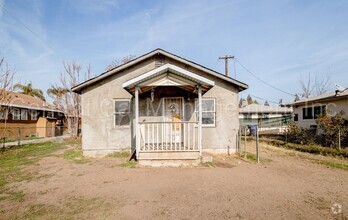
332 107
100 136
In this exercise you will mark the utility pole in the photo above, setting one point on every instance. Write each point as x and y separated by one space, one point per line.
226 62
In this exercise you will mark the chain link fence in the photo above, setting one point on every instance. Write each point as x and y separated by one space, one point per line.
338 140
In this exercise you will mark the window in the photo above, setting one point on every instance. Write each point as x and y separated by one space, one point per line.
50 114
3 114
16 114
265 115
319 111
307 113
122 112
208 112
24 114
296 117
33 115
247 116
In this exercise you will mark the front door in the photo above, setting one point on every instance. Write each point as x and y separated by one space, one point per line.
173 112
173 109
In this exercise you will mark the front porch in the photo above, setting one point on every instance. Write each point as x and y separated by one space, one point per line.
168 136
174 132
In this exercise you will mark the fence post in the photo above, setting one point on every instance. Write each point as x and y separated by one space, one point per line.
257 144
339 139
19 136
240 141
245 140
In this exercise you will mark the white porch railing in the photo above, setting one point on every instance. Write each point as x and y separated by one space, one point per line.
168 136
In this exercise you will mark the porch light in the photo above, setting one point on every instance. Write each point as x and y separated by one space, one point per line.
152 94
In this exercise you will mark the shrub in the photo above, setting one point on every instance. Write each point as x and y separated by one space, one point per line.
331 126
299 135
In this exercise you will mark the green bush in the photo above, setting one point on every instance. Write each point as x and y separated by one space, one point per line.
299 135
331 126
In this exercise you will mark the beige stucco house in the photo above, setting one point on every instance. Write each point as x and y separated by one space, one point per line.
162 106
306 111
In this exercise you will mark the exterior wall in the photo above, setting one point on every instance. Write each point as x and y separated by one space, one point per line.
42 127
332 107
46 127
273 120
100 136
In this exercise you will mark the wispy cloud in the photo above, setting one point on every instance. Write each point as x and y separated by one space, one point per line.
93 6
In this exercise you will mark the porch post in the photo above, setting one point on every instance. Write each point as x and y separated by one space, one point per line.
137 130
200 119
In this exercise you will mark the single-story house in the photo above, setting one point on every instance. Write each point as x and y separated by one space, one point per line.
306 111
162 106
268 118
34 117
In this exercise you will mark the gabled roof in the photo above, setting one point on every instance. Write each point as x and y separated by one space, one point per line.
323 97
78 88
256 108
13 99
168 74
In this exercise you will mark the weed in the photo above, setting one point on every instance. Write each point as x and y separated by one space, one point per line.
122 154
291 154
75 155
208 164
332 164
252 157
313 149
129 164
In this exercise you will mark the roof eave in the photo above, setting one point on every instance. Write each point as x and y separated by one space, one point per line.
78 88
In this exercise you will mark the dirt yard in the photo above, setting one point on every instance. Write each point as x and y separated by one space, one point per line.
61 184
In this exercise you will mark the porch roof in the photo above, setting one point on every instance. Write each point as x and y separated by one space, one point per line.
169 75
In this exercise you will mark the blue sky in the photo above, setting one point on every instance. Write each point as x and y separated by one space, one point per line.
279 41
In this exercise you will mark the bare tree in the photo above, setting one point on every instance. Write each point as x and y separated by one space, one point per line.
322 84
316 86
70 101
6 87
6 80
118 62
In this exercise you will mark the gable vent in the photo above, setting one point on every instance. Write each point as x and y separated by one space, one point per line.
159 61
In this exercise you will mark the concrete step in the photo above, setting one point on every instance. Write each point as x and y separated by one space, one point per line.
185 155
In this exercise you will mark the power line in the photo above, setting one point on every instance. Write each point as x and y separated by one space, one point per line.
258 78
26 27
264 99
217 61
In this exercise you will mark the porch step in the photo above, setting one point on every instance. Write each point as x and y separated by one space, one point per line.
186 155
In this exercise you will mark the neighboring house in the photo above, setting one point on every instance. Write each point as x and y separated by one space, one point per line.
151 104
306 111
34 117
268 118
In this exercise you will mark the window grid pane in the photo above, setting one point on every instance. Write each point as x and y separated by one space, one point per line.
208 111
122 112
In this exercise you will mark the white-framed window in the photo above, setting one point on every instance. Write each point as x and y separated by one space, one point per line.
3 114
265 115
208 112
33 115
247 115
16 114
122 116
24 114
